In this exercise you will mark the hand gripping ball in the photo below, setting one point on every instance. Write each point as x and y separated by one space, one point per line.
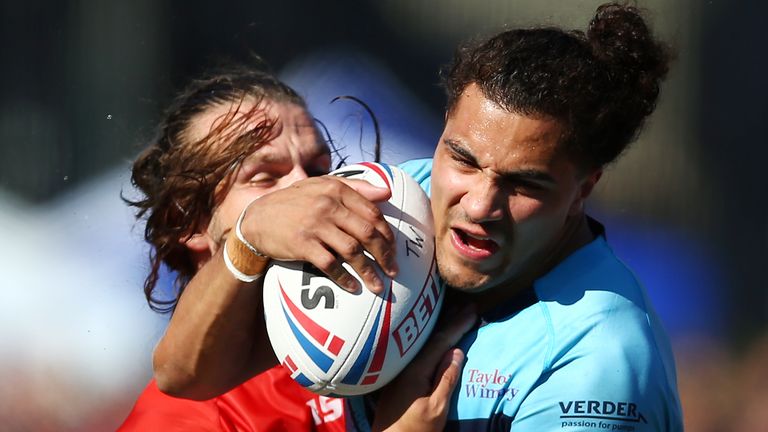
338 343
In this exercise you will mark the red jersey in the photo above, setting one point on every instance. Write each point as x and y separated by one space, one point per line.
270 401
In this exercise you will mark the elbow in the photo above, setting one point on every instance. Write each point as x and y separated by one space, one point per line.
172 383
177 381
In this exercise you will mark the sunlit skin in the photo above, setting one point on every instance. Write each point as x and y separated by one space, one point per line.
296 153
507 200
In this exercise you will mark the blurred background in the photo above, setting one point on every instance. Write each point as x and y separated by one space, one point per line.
83 83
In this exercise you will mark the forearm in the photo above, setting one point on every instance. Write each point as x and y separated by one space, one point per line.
216 338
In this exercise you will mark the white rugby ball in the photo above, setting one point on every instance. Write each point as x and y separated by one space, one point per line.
338 343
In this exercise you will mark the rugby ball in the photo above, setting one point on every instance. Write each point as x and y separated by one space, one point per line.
338 343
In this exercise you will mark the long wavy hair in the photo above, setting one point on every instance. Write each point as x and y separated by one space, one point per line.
178 176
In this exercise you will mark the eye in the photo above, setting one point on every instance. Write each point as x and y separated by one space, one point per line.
529 185
459 159
462 161
527 188
262 179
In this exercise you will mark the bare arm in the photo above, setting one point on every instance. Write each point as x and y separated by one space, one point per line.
216 339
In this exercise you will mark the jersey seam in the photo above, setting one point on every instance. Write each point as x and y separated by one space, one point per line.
550 335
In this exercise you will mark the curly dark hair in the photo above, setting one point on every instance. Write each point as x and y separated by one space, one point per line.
600 85
179 177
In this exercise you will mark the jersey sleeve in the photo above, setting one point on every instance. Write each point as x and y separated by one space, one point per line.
600 387
157 411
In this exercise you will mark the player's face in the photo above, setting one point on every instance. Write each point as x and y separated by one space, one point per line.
502 190
296 153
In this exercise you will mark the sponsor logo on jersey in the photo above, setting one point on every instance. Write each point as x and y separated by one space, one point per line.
600 414
488 384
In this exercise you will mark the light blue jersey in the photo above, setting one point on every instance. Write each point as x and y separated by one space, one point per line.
582 350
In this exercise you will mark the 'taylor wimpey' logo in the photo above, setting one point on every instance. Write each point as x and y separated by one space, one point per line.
601 414
488 385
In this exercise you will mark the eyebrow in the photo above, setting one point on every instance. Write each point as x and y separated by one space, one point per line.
514 176
263 155
529 175
460 150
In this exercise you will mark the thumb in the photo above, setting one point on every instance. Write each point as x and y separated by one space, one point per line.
369 191
447 376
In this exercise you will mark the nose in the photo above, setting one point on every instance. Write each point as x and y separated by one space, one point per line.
482 203
296 174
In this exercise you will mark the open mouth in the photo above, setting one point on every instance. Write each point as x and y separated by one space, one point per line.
473 246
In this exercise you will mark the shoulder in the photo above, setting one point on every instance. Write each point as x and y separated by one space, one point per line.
592 288
594 300
610 355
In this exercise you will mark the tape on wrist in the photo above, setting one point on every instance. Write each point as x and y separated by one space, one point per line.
243 260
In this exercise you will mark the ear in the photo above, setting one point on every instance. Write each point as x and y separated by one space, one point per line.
197 242
200 247
585 189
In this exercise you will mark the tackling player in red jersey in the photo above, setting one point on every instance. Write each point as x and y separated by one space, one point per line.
271 401
225 141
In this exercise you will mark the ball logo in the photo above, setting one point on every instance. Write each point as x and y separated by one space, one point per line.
408 331
323 292
415 245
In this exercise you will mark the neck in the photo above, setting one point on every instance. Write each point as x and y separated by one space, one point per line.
575 234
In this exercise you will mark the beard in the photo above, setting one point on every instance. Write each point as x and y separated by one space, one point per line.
460 278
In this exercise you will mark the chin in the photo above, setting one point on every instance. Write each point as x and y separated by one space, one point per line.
463 279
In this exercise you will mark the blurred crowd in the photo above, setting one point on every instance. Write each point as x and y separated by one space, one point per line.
723 389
